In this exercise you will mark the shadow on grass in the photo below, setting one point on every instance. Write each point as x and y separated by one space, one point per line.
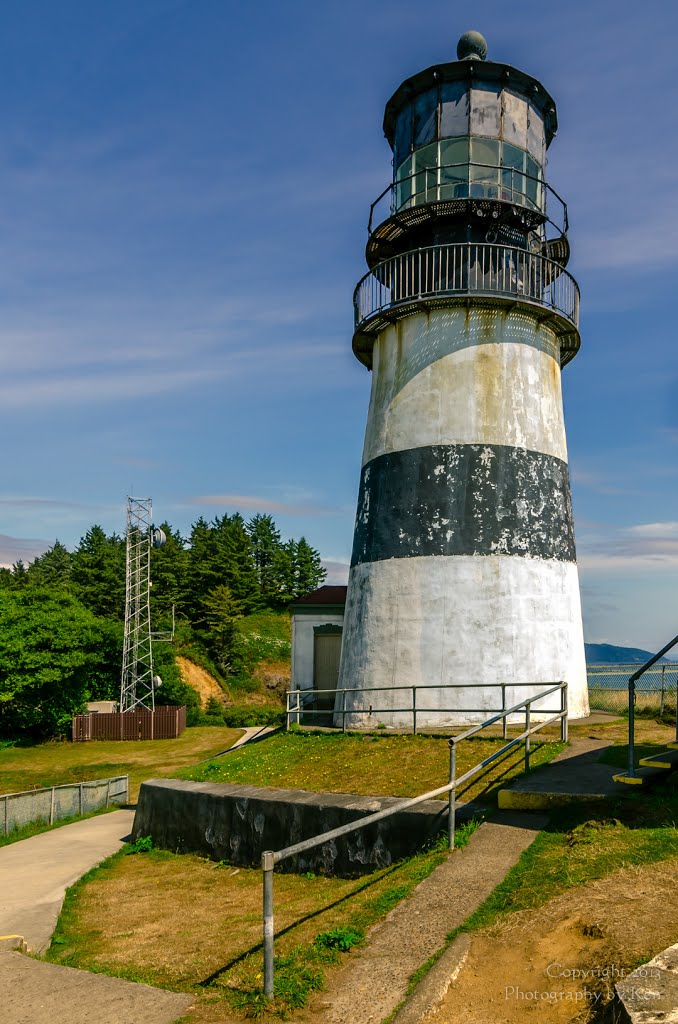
295 924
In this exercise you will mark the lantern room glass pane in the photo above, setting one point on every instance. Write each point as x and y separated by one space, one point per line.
454 109
515 119
485 110
485 151
425 124
454 157
512 176
532 187
425 163
403 135
535 135
404 183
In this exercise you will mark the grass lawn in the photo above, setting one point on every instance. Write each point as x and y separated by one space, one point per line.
51 764
372 765
185 923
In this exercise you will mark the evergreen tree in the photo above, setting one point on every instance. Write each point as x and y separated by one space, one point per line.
308 569
235 561
53 568
224 641
19 573
266 544
98 573
168 575
6 578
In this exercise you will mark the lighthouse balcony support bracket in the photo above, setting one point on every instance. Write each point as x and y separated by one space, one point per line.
466 274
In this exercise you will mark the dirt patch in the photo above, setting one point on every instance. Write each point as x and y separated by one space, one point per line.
558 964
202 682
273 676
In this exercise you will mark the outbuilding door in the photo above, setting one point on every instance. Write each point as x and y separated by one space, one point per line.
326 653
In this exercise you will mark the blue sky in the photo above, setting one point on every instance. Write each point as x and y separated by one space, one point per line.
184 191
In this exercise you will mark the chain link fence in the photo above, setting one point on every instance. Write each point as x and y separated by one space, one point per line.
655 690
56 802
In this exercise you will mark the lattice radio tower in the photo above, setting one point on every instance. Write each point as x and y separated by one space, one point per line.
137 689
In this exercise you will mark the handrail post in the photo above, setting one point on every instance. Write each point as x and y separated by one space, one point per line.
287 712
451 795
343 710
632 726
504 721
51 805
414 711
661 702
564 710
528 716
267 864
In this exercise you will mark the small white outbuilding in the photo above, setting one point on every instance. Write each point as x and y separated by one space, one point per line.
317 624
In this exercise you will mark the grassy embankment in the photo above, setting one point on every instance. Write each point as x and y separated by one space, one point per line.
52 764
315 917
373 765
161 941
204 938
255 694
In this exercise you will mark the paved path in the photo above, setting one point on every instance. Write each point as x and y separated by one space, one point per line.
375 979
35 872
35 992
574 776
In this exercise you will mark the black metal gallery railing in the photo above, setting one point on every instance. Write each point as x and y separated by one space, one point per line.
470 180
466 268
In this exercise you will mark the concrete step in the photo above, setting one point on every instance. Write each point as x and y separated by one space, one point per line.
652 768
666 759
641 777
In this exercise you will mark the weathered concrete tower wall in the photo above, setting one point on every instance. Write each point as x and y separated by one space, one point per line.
464 566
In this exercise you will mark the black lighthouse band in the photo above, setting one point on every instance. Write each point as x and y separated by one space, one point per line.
466 499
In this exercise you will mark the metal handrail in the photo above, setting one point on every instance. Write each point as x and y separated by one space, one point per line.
435 186
304 695
270 858
466 268
633 679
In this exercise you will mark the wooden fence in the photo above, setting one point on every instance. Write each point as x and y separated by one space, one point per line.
165 723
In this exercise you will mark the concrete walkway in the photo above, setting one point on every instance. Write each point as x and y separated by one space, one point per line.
35 872
375 980
35 992
575 776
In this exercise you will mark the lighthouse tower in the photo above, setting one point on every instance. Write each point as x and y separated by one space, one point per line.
464 567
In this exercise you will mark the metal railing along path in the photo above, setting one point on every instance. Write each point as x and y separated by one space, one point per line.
52 803
633 679
298 702
465 269
270 858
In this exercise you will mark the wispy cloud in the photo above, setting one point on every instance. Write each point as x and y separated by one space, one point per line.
14 548
253 503
651 546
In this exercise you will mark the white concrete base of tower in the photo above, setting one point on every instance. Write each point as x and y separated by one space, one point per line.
471 620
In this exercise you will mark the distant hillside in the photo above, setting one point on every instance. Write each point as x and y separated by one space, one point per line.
608 654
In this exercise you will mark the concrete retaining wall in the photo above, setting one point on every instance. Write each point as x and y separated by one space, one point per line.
236 823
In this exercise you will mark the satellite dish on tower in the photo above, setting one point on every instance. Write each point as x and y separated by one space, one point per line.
158 537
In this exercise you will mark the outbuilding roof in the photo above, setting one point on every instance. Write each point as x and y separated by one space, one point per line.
327 595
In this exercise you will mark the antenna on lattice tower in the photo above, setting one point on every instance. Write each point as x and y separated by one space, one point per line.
138 684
